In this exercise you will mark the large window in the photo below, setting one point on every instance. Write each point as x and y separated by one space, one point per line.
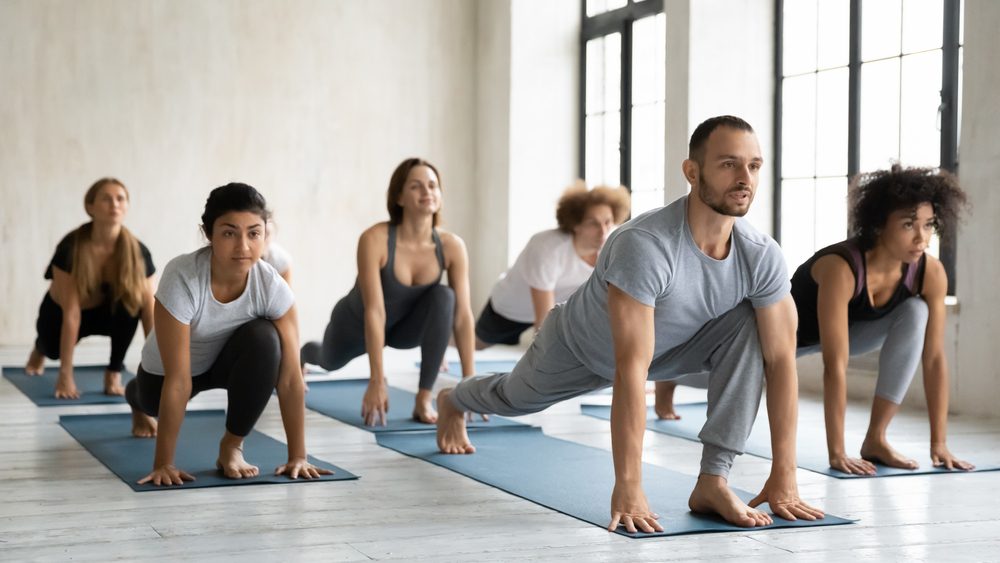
861 84
623 89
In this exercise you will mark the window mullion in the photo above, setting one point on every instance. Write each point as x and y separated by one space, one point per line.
625 141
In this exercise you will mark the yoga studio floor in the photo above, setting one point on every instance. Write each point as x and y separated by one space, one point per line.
58 503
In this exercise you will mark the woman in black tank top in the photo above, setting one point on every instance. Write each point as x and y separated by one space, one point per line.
398 299
881 290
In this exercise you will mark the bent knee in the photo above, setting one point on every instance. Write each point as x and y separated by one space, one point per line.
259 336
442 296
915 310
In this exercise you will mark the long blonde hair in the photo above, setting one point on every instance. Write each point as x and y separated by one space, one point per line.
129 279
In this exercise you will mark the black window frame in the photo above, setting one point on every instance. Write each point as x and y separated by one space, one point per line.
619 20
948 111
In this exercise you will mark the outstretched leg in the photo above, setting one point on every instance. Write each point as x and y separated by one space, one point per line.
452 437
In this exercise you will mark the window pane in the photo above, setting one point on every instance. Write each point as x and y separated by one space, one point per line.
799 37
831 122
797 221
923 25
612 71
879 114
647 147
834 36
594 166
644 201
961 23
649 52
595 76
612 156
595 7
961 73
881 24
831 211
934 247
919 135
798 126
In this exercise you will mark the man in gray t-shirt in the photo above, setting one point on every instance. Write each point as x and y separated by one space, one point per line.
685 289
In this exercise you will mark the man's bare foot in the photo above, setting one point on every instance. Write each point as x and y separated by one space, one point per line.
665 401
66 387
231 461
451 435
879 451
712 495
423 411
113 383
143 425
36 363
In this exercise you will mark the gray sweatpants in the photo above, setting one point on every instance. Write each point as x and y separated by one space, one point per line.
728 348
900 335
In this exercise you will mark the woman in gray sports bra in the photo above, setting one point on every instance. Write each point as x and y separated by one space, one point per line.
398 299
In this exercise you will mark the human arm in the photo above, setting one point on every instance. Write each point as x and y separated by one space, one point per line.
935 365
457 262
776 326
632 330
542 301
836 284
64 293
174 340
147 307
287 276
375 403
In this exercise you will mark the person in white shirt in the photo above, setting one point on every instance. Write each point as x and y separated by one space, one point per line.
553 264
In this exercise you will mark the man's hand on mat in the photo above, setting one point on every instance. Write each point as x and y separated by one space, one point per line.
852 465
781 493
65 386
375 405
166 475
941 456
630 508
299 467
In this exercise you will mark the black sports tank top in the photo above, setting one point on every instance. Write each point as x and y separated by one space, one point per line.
805 290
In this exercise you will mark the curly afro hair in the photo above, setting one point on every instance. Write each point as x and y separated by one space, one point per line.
576 200
873 196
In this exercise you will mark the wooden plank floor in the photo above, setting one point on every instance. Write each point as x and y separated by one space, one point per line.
58 503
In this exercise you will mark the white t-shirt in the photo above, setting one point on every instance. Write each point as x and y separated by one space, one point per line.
277 256
185 291
548 263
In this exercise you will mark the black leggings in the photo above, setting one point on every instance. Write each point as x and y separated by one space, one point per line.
104 320
428 325
247 368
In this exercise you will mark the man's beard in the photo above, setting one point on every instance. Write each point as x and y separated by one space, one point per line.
723 206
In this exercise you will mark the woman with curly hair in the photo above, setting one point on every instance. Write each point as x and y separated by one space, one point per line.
553 264
880 289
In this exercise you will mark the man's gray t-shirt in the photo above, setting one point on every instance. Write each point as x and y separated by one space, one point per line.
654 259
185 291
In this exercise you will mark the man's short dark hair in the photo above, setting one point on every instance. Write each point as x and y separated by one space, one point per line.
696 148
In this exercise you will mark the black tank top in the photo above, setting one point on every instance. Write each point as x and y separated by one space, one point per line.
398 298
859 308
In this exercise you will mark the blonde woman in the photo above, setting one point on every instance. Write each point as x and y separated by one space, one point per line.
102 283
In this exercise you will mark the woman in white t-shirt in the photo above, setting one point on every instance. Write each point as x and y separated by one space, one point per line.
224 319
276 255
553 264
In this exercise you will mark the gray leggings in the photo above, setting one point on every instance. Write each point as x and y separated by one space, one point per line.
900 335
728 348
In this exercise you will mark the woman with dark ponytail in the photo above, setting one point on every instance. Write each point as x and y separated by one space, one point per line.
101 284
225 319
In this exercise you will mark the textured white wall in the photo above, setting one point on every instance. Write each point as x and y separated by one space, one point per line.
312 102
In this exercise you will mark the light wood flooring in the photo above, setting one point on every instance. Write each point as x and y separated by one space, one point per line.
58 503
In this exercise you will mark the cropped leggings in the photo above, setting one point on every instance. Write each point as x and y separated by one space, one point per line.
247 368
104 320
427 324
900 335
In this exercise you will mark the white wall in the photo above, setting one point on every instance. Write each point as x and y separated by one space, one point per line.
312 102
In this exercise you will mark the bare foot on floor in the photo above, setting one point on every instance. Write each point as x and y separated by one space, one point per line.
713 496
422 410
665 401
113 383
444 366
451 435
231 461
879 451
143 425
36 363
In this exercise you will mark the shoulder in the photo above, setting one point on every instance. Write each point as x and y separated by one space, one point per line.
450 241
188 266
750 236
833 270
67 242
377 233
935 276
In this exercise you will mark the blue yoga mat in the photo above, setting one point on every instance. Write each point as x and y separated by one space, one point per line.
108 437
571 478
41 389
810 451
342 400
482 367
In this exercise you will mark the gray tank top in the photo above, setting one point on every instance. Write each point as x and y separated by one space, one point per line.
399 299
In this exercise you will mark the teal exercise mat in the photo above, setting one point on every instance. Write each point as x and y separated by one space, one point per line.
482 367
108 437
571 478
341 399
41 389
809 450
